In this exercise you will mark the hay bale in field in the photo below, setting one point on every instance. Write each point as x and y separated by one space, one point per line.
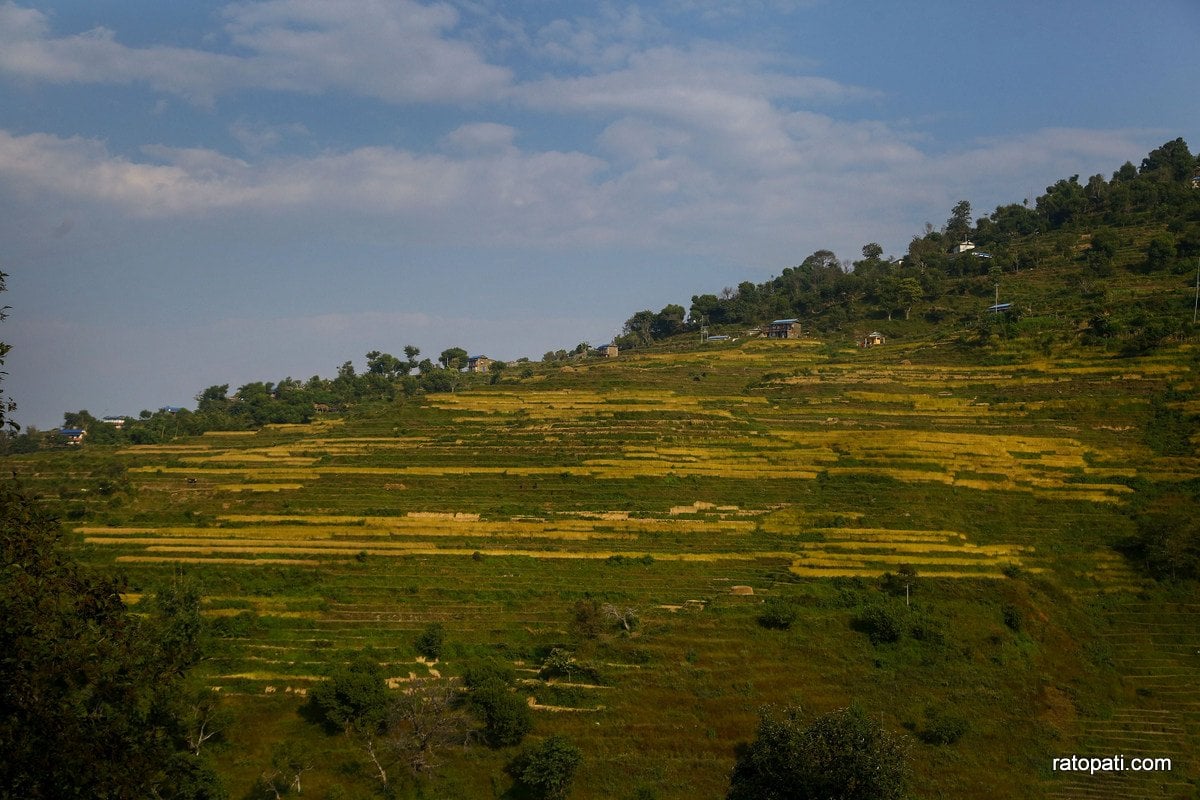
742 590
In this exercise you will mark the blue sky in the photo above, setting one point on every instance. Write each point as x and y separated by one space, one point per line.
200 193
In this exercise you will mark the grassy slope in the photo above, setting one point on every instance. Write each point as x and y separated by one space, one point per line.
814 457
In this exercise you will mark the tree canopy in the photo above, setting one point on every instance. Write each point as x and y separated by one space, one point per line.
89 693
841 755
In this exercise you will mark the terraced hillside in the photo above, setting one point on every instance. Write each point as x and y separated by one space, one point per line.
669 482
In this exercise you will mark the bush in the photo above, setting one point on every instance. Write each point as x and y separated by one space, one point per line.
942 728
505 715
481 673
882 623
587 619
547 771
778 613
1013 618
431 641
353 697
839 755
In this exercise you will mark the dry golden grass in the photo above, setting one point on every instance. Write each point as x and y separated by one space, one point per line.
259 487
251 562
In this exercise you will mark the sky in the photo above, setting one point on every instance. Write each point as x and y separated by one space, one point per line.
205 193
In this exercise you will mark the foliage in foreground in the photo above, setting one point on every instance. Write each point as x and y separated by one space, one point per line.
91 696
839 756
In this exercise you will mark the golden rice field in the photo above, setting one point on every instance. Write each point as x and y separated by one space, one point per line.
662 481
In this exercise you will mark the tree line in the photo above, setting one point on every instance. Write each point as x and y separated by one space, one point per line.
829 293
259 403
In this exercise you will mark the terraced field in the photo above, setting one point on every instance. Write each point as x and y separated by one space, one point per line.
661 482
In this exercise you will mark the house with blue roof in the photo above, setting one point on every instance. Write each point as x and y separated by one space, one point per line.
73 436
783 329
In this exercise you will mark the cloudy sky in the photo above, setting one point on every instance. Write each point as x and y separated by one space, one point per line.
200 193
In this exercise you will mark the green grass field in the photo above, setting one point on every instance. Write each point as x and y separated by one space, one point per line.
660 481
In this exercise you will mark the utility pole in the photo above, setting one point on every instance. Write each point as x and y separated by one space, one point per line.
1196 302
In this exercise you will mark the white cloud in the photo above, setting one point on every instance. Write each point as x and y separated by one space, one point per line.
480 137
397 51
259 137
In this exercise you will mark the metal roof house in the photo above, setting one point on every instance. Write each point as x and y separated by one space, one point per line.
999 308
478 364
609 350
784 329
72 435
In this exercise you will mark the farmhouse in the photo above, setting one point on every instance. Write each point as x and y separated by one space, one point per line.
784 329
720 337
963 247
873 339
72 435
607 350
478 364
116 422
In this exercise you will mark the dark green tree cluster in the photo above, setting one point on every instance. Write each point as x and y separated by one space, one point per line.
263 403
505 714
1167 538
93 701
827 294
839 756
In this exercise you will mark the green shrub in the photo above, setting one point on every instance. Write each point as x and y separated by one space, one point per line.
505 715
942 728
547 771
882 623
490 670
431 641
778 613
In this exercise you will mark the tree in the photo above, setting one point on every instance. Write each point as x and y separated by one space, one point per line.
1160 253
1171 162
668 322
908 292
641 327
547 771
453 358
7 405
958 227
353 698
778 613
424 720
88 691
385 364
430 641
839 756
1167 542
505 715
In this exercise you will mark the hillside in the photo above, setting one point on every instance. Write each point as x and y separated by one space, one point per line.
998 483
981 533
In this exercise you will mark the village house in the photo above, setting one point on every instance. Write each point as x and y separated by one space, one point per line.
72 436
873 339
784 329
963 247
478 364
116 422
607 350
